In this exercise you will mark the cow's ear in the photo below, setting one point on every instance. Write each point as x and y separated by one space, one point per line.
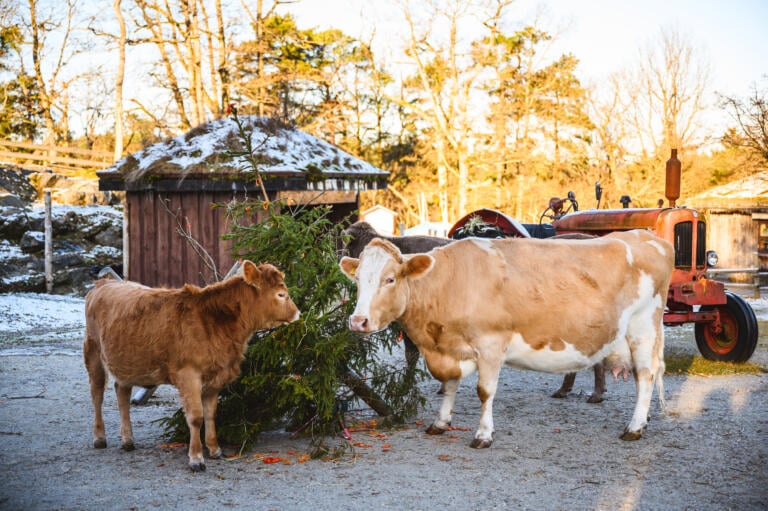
251 273
418 266
349 266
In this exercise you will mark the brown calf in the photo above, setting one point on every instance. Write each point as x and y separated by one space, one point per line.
192 338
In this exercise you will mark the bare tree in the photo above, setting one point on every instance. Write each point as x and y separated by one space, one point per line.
665 95
646 110
257 20
444 83
751 118
192 62
39 26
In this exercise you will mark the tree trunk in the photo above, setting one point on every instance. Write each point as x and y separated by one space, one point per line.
260 58
222 68
45 98
119 78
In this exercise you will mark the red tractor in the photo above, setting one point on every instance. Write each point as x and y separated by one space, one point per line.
725 324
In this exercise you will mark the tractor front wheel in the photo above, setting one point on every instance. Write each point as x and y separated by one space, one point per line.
732 340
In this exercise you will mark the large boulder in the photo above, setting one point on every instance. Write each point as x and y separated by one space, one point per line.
14 222
14 181
32 242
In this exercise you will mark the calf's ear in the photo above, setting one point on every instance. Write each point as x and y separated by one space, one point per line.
349 266
417 266
251 273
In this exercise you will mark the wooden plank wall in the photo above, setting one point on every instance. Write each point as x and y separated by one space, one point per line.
159 255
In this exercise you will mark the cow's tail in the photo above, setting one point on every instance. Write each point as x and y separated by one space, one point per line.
661 367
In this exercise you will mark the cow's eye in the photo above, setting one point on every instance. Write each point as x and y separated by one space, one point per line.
389 281
282 295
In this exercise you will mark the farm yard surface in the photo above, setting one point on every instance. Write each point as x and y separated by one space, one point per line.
708 452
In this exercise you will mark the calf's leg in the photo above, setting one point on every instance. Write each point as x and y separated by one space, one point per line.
97 378
190 389
210 401
124 404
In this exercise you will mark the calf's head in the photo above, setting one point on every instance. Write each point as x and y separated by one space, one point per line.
382 275
274 304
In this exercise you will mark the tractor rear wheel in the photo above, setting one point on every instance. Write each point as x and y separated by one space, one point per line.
737 338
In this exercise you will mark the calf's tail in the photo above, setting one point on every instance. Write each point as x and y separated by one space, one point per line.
108 272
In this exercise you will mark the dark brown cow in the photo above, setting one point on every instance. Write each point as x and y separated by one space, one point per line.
193 338
476 304
361 233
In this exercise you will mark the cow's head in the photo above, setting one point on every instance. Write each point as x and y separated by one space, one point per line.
274 303
382 274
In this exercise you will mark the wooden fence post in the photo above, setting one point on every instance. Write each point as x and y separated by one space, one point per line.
48 244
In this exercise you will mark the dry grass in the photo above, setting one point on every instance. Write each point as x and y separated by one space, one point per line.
683 363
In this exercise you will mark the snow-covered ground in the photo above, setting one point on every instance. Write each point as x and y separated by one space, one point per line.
42 323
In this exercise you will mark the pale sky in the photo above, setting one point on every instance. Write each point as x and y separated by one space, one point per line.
606 35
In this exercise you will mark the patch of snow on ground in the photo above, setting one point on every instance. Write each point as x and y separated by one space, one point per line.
97 213
40 317
9 251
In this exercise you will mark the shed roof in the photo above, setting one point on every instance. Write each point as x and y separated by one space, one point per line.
216 150
749 192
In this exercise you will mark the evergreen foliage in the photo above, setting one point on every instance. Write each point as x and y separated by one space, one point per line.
300 374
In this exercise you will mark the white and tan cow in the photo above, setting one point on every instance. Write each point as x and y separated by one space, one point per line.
477 304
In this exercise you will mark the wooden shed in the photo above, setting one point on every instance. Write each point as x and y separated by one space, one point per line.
174 185
737 219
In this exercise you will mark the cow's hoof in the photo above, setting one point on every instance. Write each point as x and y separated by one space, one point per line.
480 443
100 443
560 394
215 454
435 430
631 435
595 399
197 466
128 446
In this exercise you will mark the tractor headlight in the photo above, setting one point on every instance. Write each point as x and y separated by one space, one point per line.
711 258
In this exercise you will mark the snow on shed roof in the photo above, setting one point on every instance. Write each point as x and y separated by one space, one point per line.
751 191
213 148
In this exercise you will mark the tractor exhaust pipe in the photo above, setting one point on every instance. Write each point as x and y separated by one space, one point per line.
672 187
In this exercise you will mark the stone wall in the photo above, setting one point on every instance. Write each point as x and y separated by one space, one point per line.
85 238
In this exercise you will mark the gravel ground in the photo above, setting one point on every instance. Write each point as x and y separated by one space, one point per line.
708 452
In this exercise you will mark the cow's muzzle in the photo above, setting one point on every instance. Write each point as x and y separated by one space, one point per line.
359 323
